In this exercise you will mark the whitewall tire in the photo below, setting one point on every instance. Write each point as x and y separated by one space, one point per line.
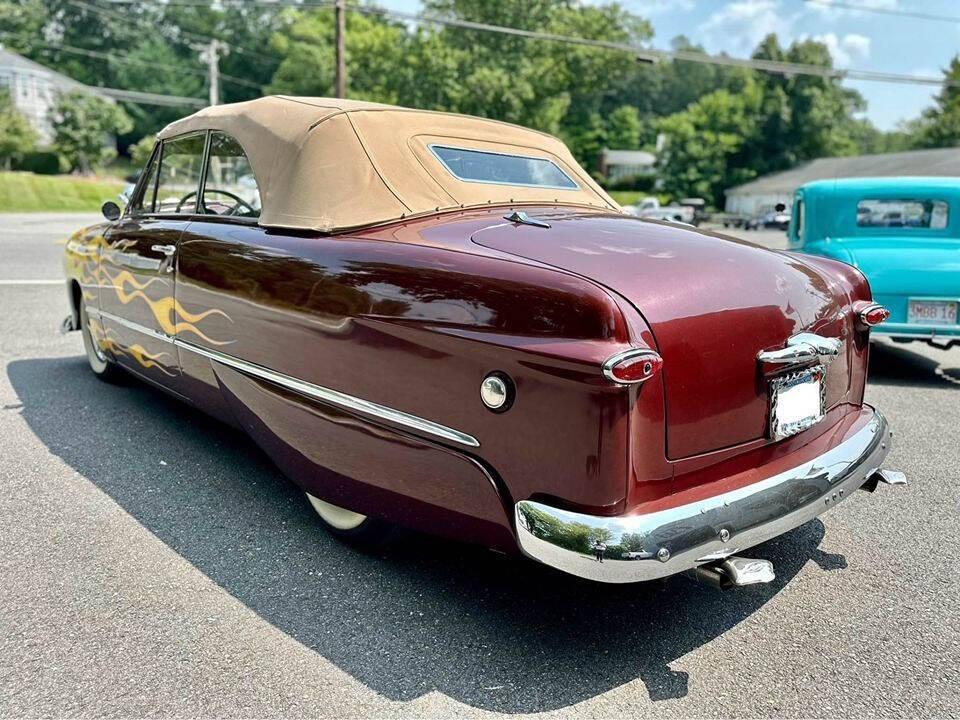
99 363
352 526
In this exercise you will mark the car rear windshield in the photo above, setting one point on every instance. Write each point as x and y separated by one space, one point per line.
502 169
911 213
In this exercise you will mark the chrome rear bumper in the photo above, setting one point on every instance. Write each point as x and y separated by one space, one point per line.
645 547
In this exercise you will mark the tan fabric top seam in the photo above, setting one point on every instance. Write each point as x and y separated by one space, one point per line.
374 164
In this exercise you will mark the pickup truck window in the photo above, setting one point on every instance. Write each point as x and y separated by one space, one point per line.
482 166
907 213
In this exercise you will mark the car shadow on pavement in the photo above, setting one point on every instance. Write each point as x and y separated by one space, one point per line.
898 365
498 633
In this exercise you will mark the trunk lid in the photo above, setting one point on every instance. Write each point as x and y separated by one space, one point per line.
906 265
712 303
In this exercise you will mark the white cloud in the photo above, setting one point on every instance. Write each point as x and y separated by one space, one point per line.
651 8
846 49
740 25
856 44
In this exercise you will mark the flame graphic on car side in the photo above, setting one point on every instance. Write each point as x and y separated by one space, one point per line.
164 309
147 360
103 340
82 261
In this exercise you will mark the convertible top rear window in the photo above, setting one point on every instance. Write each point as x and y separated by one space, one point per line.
908 213
483 166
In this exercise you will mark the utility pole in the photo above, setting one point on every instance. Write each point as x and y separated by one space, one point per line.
211 53
341 75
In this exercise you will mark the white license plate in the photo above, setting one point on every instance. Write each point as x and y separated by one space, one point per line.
796 402
932 312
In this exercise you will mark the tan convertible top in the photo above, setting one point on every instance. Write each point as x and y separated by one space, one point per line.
326 164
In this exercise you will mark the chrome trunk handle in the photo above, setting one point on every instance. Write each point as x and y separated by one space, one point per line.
167 250
801 348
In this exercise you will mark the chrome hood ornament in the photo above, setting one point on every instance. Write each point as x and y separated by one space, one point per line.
803 348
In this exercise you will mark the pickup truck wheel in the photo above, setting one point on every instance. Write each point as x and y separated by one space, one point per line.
351 526
99 363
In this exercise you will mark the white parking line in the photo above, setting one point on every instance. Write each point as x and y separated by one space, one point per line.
32 282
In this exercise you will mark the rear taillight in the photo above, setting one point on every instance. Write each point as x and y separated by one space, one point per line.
632 366
870 314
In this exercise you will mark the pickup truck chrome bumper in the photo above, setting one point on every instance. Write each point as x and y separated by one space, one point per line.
677 539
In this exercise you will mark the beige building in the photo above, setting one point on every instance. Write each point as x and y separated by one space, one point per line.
761 195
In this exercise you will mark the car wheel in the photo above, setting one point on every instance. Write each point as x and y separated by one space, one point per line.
99 363
351 526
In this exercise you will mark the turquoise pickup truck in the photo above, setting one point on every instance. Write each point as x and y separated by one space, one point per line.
902 233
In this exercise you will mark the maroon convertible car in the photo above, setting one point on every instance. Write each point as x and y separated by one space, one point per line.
442 322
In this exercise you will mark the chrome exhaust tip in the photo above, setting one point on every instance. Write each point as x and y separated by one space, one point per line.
887 477
734 571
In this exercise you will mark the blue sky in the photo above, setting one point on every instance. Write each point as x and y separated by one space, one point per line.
858 39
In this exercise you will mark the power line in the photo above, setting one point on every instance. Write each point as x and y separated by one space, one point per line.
886 11
769 66
126 60
197 37
145 98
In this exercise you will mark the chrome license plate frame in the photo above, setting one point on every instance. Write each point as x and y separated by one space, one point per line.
797 401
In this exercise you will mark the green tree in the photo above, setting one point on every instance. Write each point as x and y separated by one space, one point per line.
140 150
623 128
82 124
705 142
17 136
939 126
374 51
156 66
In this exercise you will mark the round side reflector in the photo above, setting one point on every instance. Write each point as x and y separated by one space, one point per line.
632 366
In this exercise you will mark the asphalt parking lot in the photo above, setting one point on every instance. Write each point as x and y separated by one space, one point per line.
153 563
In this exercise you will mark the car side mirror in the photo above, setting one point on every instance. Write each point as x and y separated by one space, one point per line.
779 207
110 210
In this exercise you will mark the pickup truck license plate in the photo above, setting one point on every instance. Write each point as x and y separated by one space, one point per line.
932 312
796 402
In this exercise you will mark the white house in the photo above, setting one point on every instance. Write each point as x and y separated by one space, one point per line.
616 164
33 88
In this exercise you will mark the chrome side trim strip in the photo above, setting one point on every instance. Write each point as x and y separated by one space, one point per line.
654 545
334 397
136 327
317 392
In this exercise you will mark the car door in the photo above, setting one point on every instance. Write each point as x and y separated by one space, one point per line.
219 245
138 265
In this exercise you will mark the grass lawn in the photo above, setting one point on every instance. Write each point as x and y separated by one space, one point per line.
626 197
26 192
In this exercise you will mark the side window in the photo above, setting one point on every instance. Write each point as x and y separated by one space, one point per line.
230 187
145 202
799 213
179 182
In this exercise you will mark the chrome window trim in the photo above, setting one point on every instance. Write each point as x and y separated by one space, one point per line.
432 146
317 392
